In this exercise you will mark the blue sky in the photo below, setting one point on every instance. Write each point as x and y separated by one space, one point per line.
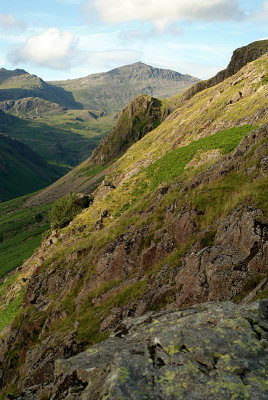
61 39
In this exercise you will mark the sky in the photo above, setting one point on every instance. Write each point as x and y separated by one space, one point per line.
66 39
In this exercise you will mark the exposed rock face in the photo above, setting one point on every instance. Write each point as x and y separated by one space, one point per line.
239 59
140 116
211 351
138 259
219 272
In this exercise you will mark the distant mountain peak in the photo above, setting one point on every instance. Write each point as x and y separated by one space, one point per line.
112 90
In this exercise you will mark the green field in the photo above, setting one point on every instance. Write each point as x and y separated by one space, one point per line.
20 232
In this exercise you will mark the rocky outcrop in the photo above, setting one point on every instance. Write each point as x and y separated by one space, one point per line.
219 272
137 119
210 351
239 59
174 264
140 117
33 106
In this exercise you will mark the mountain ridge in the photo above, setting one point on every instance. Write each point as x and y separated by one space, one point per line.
114 89
17 84
169 105
240 58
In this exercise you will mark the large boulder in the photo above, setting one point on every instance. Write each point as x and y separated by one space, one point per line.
210 351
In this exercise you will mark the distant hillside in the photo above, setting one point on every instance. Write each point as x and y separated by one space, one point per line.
17 84
112 90
30 106
21 169
64 139
142 113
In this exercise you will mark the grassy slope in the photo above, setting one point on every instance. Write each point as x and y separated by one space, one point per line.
21 170
129 206
135 192
216 200
138 118
214 111
20 232
18 84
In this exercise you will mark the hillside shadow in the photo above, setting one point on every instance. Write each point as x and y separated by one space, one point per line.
50 93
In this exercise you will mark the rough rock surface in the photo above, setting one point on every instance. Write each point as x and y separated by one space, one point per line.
205 272
219 272
211 351
137 119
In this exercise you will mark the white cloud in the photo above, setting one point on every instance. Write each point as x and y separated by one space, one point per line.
52 48
262 14
8 22
162 13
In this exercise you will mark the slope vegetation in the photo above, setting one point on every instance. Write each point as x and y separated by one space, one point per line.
21 170
240 58
183 221
137 119
30 107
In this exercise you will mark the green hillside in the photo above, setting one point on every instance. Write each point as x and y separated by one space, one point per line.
180 218
138 118
62 139
21 232
18 84
22 171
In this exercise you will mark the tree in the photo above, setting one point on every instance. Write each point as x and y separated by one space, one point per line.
64 210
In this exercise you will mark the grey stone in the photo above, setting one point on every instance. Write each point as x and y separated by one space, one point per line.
212 351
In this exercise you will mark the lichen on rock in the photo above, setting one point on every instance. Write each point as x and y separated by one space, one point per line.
210 351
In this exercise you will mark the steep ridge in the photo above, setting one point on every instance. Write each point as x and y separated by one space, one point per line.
238 100
182 123
240 58
112 90
18 84
181 198
137 119
22 171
